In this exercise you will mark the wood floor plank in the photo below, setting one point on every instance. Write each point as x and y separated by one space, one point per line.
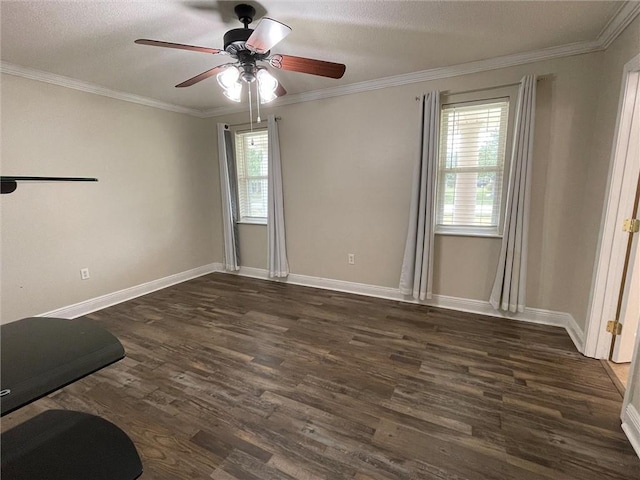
232 378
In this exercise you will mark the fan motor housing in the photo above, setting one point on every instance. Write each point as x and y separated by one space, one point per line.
235 39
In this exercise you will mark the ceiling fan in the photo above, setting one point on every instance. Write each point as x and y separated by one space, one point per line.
248 47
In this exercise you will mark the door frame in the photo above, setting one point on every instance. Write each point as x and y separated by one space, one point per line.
623 178
629 414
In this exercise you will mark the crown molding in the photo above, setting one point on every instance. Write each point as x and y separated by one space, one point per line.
621 20
426 75
61 81
623 17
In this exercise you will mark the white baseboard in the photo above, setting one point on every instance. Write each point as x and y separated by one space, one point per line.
631 426
481 307
104 301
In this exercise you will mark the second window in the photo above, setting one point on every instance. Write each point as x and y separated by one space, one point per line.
252 166
471 167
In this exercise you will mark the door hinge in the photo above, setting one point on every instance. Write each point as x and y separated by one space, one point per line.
631 225
614 327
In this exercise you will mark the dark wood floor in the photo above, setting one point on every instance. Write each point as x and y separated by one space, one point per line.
234 378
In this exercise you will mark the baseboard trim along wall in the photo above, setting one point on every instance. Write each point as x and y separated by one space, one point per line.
631 426
104 301
481 307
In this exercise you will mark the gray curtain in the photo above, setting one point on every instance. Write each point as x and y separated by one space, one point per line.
277 244
229 193
416 278
509 287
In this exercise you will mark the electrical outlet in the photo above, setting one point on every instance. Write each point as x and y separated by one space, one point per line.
84 273
352 258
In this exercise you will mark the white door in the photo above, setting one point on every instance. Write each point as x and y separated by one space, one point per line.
630 302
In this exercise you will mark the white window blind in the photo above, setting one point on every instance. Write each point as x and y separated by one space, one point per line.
252 166
471 167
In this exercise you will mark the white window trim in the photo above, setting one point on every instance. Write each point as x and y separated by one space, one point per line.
253 221
247 220
466 231
479 98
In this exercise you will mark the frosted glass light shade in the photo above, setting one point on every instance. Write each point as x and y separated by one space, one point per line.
267 85
234 92
270 96
228 77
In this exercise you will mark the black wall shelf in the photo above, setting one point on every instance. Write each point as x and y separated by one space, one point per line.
9 184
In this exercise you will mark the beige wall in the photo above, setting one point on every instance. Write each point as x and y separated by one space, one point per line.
347 167
154 212
253 245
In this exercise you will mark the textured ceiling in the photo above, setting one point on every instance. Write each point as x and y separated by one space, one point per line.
93 41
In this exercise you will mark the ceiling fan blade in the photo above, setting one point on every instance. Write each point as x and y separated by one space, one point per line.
266 35
203 76
157 43
308 65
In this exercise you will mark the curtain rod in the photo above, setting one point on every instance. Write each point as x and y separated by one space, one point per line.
447 92
246 123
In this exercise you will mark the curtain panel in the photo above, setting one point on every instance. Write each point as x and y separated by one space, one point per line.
509 287
276 243
228 191
416 278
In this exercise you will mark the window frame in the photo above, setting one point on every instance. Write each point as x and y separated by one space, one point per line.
480 98
247 220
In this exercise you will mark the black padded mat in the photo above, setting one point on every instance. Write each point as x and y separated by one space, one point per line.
61 444
40 355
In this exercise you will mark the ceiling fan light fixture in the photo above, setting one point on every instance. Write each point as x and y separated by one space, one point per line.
247 47
234 92
228 77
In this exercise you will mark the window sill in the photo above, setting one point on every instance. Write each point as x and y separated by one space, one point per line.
467 233
253 222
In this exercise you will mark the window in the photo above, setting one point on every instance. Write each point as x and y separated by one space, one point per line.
251 161
471 167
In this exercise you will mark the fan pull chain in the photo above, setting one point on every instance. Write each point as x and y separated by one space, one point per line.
258 101
250 113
